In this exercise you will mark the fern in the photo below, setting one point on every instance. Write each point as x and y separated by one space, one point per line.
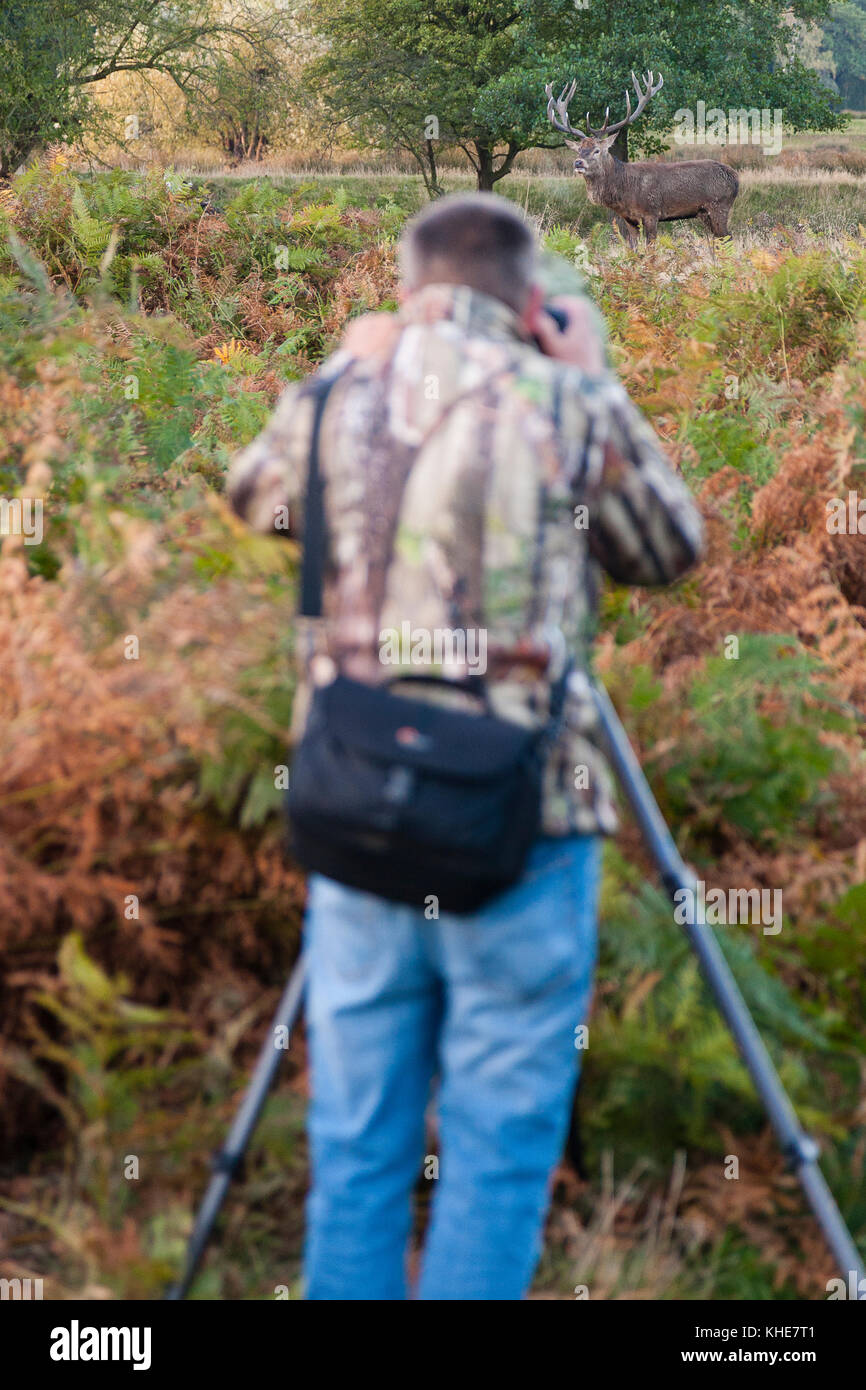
90 235
770 779
662 1069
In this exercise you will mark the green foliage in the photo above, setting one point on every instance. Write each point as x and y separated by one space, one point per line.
562 241
167 402
109 1056
826 951
845 36
662 1071
239 90
721 438
39 39
142 417
255 203
387 66
133 1082
810 300
240 780
735 1270
770 781
148 404
69 224
53 51
728 55
90 235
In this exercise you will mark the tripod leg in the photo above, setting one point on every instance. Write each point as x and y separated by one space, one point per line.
800 1150
574 1151
228 1159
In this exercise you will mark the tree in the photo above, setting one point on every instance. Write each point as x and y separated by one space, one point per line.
731 55
845 33
242 101
36 104
53 51
419 75
384 106
241 91
474 70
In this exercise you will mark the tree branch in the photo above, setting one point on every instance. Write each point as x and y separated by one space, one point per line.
469 156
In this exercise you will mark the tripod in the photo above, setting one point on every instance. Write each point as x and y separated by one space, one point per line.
799 1149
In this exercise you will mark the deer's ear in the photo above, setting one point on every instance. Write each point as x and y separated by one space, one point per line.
609 140
572 144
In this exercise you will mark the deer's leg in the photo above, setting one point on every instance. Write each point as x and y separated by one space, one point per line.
627 230
650 227
718 220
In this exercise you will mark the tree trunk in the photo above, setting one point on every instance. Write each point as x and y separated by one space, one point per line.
484 170
619 148
16 154
431 176
425 158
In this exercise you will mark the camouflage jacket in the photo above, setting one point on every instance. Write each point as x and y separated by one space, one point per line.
472 488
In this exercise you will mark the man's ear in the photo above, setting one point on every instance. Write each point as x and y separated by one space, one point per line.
532 309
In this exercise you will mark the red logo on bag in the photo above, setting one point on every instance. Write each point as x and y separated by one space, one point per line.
408 736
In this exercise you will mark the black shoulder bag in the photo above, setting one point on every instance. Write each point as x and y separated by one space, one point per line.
405 798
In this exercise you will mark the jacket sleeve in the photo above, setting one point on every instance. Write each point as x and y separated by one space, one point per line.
266 480
644 527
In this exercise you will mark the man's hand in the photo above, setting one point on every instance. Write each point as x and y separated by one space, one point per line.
580 344
371 335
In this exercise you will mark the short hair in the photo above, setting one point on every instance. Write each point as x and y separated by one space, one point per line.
475 239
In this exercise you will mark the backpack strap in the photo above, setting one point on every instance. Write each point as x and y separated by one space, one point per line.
314 507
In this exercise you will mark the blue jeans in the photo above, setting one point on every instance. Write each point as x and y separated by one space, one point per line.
489 1004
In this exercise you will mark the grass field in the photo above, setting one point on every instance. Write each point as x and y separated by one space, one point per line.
825 203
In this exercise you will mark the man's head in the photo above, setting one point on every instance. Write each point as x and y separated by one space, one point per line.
474 239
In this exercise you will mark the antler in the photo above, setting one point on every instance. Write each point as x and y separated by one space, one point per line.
650 90
560 108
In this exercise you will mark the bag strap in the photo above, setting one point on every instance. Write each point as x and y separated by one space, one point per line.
558 694
314 509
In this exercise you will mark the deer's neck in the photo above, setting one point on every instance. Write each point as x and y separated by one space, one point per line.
609 180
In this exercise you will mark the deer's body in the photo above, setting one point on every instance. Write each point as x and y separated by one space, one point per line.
644 194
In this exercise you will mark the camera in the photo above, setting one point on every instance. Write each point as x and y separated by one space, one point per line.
559 316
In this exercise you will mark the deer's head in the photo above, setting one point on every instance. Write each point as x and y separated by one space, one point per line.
593 148
591 151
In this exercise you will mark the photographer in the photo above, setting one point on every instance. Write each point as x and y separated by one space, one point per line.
478 463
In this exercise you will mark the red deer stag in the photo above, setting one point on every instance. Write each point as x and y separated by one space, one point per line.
644 193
